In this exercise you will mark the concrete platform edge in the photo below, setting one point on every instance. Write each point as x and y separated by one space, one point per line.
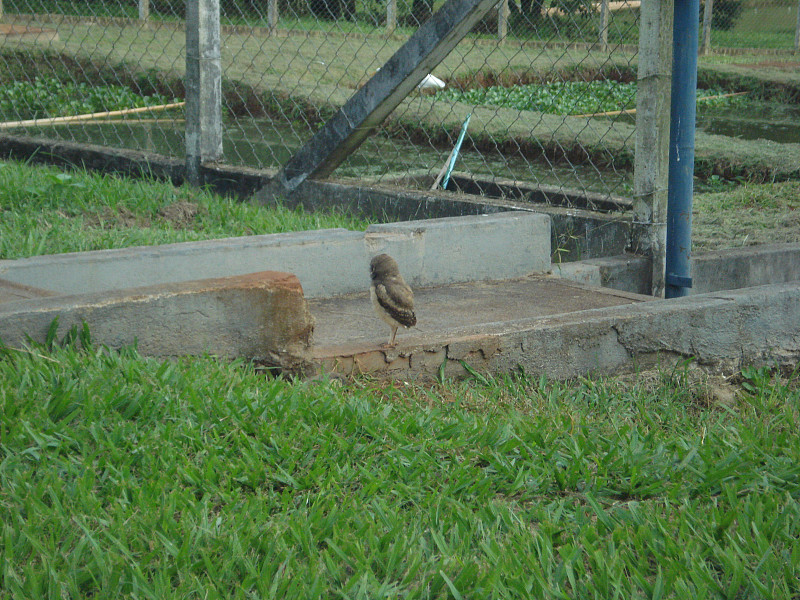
728 330
261 316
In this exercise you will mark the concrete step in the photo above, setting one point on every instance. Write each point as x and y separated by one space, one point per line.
327 262
349 338
261 316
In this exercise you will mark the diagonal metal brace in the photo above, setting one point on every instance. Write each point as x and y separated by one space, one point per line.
369 106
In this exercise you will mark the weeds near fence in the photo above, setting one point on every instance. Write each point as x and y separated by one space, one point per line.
45 210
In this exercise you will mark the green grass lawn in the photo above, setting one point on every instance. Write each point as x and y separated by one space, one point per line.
122 476
44 210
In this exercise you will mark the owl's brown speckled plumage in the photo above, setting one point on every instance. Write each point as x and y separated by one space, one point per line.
391 297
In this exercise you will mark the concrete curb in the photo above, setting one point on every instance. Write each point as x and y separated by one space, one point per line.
328 262
261 316
757 325
711 271
472 248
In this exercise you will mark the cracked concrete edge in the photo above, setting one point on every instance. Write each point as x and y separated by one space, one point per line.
758 325
260 316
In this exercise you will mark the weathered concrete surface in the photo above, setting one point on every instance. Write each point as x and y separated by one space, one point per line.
477 248
627 272
577 232
512 189
753 325
712 271
261 316
13 292
461 307
327 262
745 267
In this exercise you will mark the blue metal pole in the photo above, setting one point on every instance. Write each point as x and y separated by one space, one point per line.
681 148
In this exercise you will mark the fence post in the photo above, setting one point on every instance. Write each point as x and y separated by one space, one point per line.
391 16
272 16
203 87
144 10
651 161
707 17
502 20
604 25
796 28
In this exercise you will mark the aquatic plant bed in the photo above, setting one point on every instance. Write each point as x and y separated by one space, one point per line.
50 97
570 97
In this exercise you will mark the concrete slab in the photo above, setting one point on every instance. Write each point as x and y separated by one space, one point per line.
759 325
327 262
261 316
730 269
464 308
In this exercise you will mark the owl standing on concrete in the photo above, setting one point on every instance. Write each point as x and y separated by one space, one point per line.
392 299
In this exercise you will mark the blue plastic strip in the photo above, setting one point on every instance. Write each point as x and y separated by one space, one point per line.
456 150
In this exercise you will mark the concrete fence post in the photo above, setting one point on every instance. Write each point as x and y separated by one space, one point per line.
144 10
796 27
203 86
707 18
391 16
651 162
502 20
272 16
603 37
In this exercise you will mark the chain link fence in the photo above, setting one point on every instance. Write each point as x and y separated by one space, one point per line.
738 24
548 85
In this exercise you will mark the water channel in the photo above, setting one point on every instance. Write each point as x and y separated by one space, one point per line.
265 143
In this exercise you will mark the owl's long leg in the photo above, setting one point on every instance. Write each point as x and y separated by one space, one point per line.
391 341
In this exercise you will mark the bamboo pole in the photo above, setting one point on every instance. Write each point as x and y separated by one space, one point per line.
118 122
630 111
88 116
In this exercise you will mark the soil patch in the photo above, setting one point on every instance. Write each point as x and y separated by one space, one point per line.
180 214
121 218
772 64
23 31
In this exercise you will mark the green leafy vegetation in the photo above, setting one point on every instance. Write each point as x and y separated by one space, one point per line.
567 97
127 477
44 210
49 97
